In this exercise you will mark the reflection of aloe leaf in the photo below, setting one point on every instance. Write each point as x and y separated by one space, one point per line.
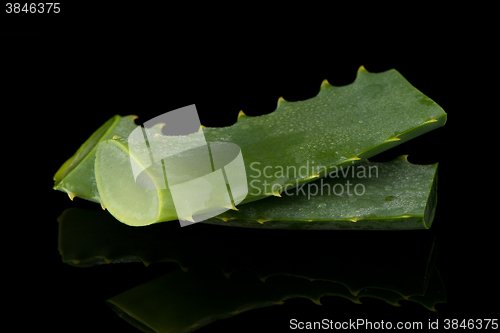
184 302
391 266
90 237
296 144
390 261
391 195
435 292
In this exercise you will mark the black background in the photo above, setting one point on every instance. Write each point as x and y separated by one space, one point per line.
64 75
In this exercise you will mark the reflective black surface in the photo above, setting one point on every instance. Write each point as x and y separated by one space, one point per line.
58 87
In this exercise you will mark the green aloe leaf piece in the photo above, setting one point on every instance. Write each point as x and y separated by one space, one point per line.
177 302
76 175
369 195
297 143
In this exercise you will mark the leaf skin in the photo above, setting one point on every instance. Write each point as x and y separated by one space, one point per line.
402 197
76 175
337 127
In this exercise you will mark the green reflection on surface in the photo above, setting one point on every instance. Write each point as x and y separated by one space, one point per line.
234 269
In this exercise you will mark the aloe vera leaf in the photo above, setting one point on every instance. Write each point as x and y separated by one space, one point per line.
94 237
397 195
177 302
76 175
337 127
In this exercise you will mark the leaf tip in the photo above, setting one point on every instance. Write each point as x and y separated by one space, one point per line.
187 218
355 158
116 136
324 84
312 177
263 278
232 207
133 117
275 193
316 301
241 114
71 195
362 69
158 127
281 100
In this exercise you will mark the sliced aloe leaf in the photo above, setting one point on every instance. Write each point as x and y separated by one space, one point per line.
297 143
369 195
76 176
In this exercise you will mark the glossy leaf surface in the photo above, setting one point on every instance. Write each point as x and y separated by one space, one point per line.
297 143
